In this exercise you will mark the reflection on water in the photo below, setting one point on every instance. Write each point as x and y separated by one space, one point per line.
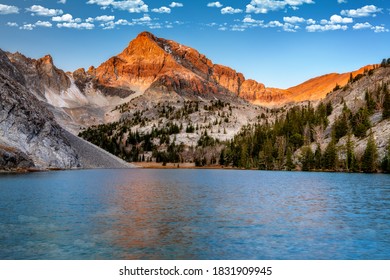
194 214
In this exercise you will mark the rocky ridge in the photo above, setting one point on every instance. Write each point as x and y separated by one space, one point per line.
153 84
29 135
27 126
150 63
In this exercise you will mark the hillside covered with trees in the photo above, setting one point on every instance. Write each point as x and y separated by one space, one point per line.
347 131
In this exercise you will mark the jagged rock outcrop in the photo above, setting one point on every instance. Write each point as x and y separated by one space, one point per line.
50 75
40 74
151 63
28 127
13 159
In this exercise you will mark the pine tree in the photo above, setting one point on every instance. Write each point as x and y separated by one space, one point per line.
340 127
370 102
330 156
318 157
386 160
350 164
289 163
370 156
386 106
222 157
307 159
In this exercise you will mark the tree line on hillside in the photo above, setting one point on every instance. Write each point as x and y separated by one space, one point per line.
298 138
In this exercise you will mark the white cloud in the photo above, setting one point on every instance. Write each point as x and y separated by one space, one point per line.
132 6
65 18
176 5
294 19
335 22
379 29
42 11
27 27
311 21
326 27
339 19
365 25
62 1
250 20
123 22
6 9
105 18
264 6
238 28
43 24
230 10
75 25
274 23
108 25
162 10
366 11
214 5
341 1
12 24
145 18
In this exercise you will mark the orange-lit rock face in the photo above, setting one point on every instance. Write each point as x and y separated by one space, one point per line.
251 90
317 88
166 66
151 62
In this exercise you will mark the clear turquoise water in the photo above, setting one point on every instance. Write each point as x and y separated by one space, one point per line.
194 214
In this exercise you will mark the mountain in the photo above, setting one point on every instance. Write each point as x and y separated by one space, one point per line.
317 88
163 101
30 137
155 64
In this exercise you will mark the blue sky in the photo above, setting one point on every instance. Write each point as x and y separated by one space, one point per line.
277 42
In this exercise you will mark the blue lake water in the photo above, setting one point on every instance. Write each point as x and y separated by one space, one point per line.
194 214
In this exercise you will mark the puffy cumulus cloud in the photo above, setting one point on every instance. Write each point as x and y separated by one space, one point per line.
75 25
326 27
339 19
43 24
42 11
132 6
145 18
230 10
176 5
62 1
123 22
359 26
66 18
293 19
264 6
6 9
311 21
379 29
105 18
214 5
27 27
107 25
249 20
162 10
366 11
31 26
336 22
12 24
